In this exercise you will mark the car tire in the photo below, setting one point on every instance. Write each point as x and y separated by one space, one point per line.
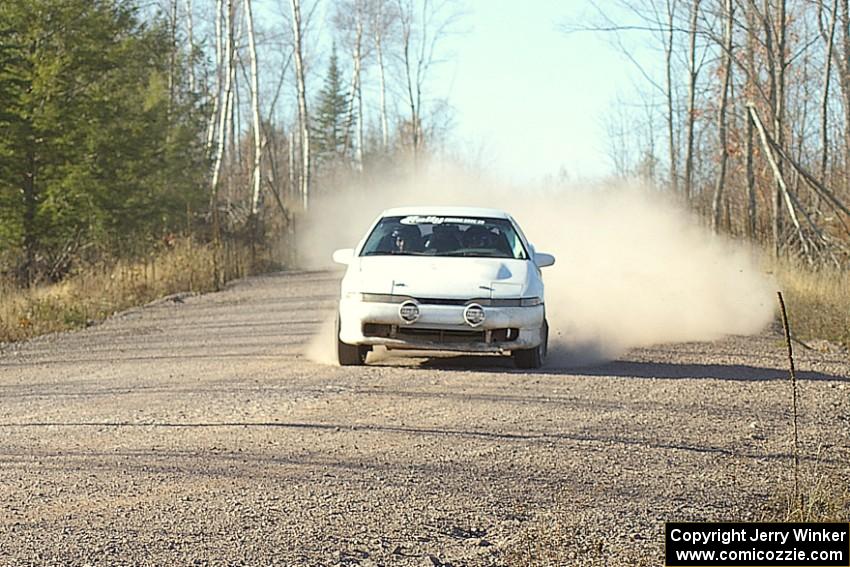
349 355
532 358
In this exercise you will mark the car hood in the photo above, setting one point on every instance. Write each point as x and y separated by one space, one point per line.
446 277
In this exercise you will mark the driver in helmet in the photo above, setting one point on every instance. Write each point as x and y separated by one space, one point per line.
478 237
401 239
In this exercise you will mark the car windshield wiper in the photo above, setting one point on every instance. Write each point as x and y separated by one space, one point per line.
378 253
477 254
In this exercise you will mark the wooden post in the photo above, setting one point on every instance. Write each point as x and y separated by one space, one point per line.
795 448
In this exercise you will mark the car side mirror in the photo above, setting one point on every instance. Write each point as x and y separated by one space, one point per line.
542 259
343 256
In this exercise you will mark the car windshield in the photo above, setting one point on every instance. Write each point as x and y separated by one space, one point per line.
416 235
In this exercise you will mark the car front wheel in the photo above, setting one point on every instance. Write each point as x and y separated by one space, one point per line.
349 355
533 357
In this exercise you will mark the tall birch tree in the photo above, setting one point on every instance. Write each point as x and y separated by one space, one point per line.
382 22
303 116
227 100
351 20
255 111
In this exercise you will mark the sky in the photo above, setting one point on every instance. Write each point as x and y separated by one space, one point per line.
530 100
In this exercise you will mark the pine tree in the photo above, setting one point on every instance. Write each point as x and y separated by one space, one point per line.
92 151
332 125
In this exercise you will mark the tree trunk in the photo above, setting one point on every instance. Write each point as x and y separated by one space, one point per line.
219 78
190 33
692 86
752 210
355 104
844 72
30 204
721 118
780 182
172 59
780 66
359 153
291 163
303 117
668 63
234 153
255 111
379 49
773 76
406 18
829 38
225 108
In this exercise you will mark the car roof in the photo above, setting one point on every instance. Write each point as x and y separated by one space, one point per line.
447 212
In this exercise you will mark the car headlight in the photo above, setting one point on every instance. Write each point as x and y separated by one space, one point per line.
530 302
408 312
474 314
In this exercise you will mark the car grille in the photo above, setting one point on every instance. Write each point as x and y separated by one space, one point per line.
439 335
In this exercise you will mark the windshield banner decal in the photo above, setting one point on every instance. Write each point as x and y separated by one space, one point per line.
415 219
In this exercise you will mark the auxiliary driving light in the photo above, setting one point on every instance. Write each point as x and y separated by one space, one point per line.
408 311
474 314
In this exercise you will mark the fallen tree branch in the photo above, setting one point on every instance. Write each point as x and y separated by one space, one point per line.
778 176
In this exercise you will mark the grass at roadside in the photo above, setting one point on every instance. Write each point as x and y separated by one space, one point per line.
824 496
555 539
95 292
818 301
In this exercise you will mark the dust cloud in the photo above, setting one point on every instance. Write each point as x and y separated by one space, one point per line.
321 346
632 268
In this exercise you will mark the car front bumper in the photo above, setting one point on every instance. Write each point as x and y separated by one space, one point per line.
440 327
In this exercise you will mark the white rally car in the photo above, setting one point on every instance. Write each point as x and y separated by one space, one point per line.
443 278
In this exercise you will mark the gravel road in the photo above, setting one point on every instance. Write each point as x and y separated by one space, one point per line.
194 431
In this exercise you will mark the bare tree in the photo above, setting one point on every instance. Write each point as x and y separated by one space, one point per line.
843 65
828 34
303 116
190 37
668 67
749 141
657 18
382 23
351 20
219 77
255 110
777 172
780 62
773 75
692 86
234 116
291 162
729 13
172 60
766 91
406 15
620 130
423 24
226 62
